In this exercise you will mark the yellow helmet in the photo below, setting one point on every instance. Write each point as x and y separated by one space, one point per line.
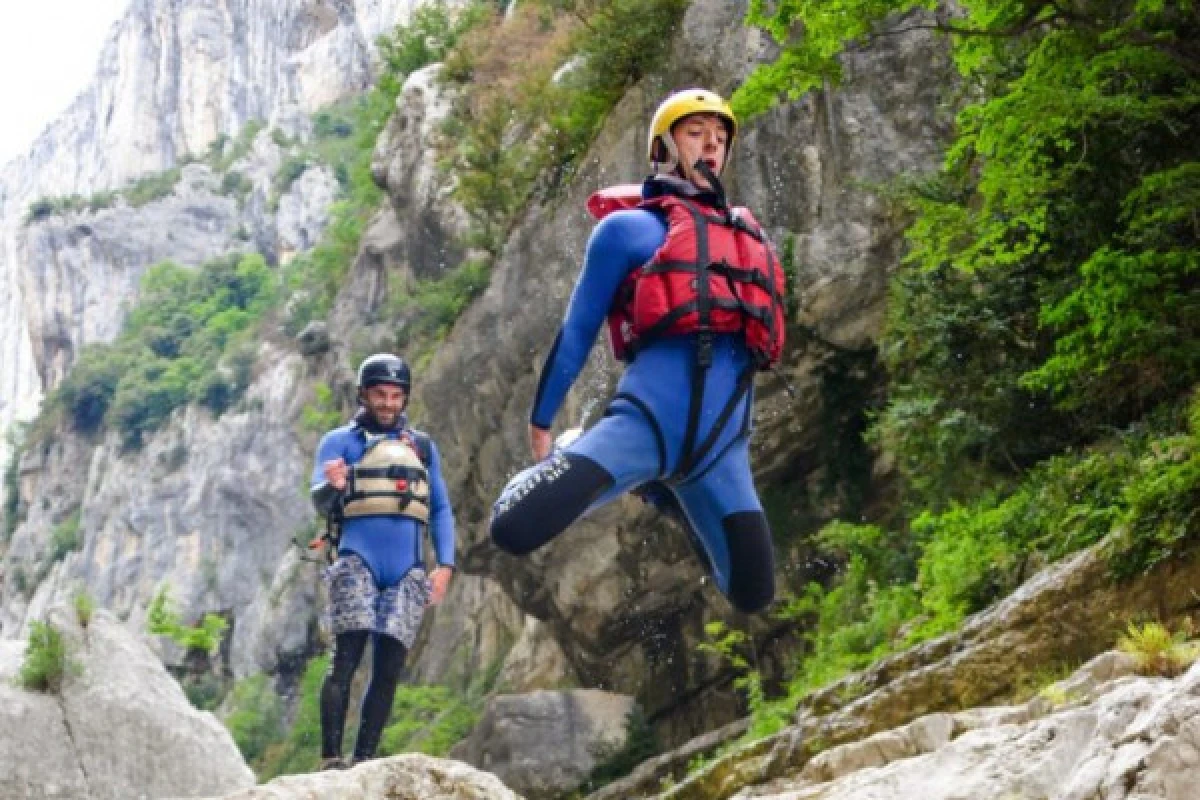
661 147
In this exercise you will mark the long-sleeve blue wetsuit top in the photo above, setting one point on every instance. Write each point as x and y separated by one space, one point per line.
660 375
389 544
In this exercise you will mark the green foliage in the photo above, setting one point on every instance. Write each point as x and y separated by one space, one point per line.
323 413
736 648
808 60
46 663
255 718
1160 510
1049 292
187 340
147 189
313 278
204 690
430 34
162 620
224 152
524 118
292 168
85 606
1157 649
66 537
434 305
899 587
1131 324
431 719
236 183
15 438
300 750
641 743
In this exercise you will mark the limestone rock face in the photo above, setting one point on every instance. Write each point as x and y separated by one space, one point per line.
215 524
916 701
1134 738
622 591
415 235
82 268
171 77
545 743
119 728
406 777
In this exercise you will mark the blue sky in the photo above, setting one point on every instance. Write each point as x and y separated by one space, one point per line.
48 52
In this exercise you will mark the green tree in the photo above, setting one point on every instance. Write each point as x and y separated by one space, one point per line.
1050 288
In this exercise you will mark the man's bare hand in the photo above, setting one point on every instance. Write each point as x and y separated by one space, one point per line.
439 582
540 442
336 472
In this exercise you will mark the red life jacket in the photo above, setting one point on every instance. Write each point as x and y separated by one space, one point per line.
742 288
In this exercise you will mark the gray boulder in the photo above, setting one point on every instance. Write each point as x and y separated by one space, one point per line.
546 743
407 777
120 727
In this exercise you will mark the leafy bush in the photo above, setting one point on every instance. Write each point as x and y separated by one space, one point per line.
323 413
256 716
187 340
85 607
236 183
147 189
65 538
46 663
1157 650
162 620
300 750
204 690
522 116
15 438
431 719
224 152
736 648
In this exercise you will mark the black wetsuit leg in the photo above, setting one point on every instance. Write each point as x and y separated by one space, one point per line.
335 693
547 502
386 665
751 560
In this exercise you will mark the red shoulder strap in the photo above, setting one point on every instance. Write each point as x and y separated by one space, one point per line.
614 198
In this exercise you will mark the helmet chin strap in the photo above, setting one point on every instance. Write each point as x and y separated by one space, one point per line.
672 163
714 182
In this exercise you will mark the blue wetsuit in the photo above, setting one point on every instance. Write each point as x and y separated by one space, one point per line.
389 545
641 436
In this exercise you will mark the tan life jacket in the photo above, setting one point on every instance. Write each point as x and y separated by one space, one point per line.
389 479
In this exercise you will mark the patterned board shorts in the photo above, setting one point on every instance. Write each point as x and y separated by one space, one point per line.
357 604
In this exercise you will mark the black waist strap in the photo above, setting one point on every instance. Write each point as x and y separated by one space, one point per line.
392 472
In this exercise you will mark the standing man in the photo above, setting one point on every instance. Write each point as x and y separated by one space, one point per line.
693 296
383 479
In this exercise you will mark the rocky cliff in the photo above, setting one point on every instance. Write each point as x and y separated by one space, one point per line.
984 711
212 506
173 75
621 593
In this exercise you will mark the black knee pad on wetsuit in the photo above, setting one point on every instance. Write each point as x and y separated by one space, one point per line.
751 560
545 503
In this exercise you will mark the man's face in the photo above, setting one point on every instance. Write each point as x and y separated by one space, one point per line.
700 137
384 402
